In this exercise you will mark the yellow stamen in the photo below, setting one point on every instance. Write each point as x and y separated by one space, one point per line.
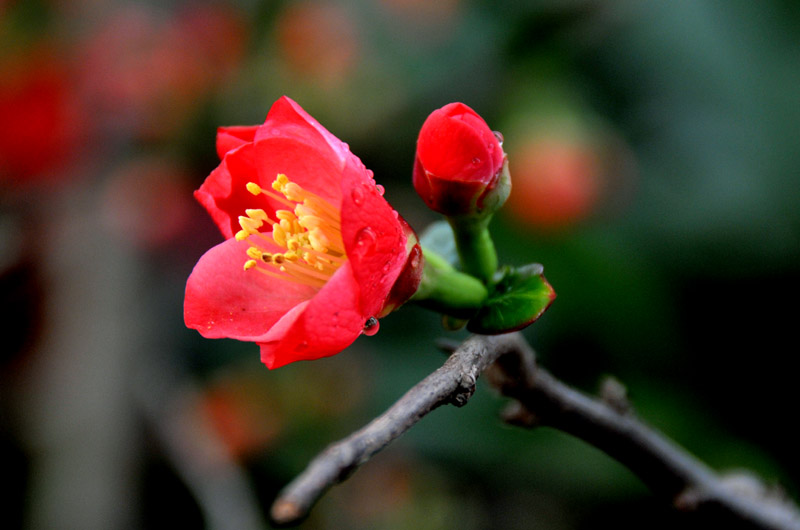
286 215
309 222
257 214
279 235
255 189
249 225
309 229
293 192
289 278
318 240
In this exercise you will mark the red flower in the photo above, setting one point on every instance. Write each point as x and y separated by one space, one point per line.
313 250
557 182
459 160
43 124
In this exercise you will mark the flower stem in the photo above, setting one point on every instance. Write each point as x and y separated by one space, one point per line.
475 246
446 290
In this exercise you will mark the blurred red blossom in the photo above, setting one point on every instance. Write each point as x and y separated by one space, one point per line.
43 124
561 179
243 413
145 71
556 182
146 202
318 40
424 12
320 253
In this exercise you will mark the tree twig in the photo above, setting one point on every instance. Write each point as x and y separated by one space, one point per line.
453 382
608 424
734 501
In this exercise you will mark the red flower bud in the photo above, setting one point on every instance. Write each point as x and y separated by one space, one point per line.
459 161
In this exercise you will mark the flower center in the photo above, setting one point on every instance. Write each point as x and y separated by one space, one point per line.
310 231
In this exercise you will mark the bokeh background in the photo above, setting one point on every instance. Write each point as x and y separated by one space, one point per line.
654 153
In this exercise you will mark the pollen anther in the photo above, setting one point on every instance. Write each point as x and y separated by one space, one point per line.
310 231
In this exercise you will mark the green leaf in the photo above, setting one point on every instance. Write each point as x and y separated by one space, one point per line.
520 297
438 236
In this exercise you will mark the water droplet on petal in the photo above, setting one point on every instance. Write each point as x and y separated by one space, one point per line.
476 160
371 327
365 240
357 195
499 136
380 189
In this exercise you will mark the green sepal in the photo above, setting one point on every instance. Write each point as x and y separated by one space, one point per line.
445 290
519 297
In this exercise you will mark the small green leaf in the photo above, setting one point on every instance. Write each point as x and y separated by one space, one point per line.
438 236
519 298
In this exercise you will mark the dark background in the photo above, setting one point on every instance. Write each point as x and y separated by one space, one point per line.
653 148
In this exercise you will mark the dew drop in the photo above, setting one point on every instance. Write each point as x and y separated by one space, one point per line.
380 189
365 240
371 327
415 261
358 196
499 136
476 160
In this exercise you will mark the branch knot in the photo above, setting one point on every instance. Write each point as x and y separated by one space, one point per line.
465 389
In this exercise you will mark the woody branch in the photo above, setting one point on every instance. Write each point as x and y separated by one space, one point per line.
541 400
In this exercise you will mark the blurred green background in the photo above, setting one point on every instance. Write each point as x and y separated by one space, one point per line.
654 153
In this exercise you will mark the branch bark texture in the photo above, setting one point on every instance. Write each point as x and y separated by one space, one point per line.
669 471
735 501
453 383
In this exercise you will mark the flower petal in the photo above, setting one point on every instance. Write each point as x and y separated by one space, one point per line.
315 168
224 193
224 300
287 118
373 237
450 148
229 138
325 326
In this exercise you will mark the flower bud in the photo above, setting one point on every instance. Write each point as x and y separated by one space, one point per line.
459 166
